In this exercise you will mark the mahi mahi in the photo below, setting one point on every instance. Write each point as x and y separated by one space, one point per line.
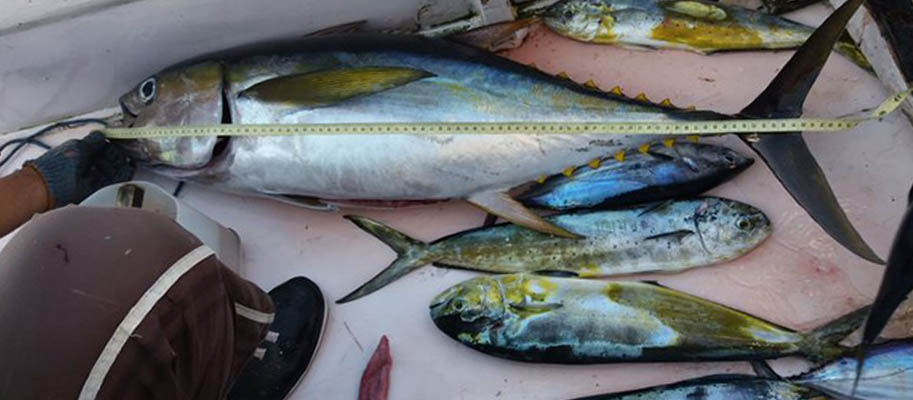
580 321
667 237
696 25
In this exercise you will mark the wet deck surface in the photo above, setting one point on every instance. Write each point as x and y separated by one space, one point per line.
799 278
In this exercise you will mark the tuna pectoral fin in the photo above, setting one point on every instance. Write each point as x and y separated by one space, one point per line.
411 254
502 205
331 86
310 203
822 344
786 154
494 37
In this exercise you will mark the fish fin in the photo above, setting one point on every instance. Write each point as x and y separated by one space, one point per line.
762 368
847 48
655 283
897 281
375 381
495 37
411 254
535 308
677 235
659 205
695 9
502 205
557 274
333 85
310 203
348 27
490 219
787 154
823 343
664 157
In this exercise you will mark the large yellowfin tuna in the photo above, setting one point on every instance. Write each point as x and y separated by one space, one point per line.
577 321
694 25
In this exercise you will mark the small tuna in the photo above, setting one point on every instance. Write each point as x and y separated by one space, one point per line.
651 173
694 25
667 237
579 321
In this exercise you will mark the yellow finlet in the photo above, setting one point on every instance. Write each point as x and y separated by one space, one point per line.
666 103
533 65
563 75
590 84
569 171
644 148
620 156
642 97
669 142
595 163
541 179
694 138
617 91
691 108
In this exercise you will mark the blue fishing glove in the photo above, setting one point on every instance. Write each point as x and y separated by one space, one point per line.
77 168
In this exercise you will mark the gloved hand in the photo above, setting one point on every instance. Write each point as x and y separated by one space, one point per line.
77 168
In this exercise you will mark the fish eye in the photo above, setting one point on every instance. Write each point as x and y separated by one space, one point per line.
744 223
147 90
459 305
729 160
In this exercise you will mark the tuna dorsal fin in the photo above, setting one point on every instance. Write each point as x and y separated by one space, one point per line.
495 37
787 155
677 235
348 27
331 86
696 9
502 205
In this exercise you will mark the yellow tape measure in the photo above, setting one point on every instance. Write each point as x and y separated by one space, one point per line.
525 128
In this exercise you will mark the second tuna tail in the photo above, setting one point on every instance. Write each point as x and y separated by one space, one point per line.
823 343
411 254
846 47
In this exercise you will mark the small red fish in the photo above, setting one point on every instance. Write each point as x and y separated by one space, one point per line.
375 382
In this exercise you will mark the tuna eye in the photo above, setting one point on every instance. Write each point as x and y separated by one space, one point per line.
459 305
147 90
744 224
729 160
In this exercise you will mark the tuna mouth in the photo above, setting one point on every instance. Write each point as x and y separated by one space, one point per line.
129 117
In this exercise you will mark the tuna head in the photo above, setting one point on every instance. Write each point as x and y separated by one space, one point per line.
729 228
189 95
469 309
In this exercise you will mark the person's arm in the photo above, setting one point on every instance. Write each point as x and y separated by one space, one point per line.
22 195
64 175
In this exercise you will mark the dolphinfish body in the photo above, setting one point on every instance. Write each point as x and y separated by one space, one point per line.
666 237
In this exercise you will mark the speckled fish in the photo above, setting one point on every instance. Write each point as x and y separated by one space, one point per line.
694 25
888 374
534 318
720 387
651 173
668 237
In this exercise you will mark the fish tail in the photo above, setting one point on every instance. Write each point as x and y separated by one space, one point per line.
823 343
411 254
846 47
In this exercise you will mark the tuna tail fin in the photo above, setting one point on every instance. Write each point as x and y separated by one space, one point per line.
822 344
847 48
411 254
787 154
